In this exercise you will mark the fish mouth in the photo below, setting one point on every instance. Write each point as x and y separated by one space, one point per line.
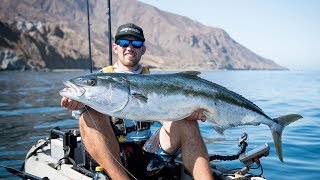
71 88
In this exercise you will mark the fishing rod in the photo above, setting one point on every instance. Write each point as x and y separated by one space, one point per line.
109 32
89 37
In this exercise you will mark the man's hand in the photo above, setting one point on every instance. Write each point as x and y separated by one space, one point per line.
71 104
197 115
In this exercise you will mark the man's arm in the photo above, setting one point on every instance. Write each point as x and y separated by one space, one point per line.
99 139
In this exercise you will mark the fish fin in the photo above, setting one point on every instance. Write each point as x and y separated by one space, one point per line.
290 118
140 97
277 129
190 73
218 129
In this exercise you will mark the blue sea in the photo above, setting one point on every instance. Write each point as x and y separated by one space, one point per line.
30 107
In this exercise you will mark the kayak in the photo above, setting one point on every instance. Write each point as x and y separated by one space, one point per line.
62 156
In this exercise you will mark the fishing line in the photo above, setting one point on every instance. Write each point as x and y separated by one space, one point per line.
96 127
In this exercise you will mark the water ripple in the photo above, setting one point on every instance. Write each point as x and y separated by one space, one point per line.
55 124
31 111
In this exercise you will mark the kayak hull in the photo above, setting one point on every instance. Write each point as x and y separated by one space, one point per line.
42 164
62 157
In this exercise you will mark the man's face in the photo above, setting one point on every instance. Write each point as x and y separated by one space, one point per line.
129 56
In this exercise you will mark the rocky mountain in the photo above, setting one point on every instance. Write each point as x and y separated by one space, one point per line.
52 34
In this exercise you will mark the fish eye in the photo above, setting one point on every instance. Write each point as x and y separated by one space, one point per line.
92 82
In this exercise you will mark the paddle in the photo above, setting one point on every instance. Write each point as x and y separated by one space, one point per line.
21 174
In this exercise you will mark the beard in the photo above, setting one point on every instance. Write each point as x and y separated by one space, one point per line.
130 61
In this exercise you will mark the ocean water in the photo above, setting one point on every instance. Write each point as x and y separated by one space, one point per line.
30 107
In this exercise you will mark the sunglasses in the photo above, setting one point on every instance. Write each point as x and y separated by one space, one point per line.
134 43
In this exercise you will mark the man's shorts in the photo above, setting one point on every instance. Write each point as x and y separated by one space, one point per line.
146 158
152 145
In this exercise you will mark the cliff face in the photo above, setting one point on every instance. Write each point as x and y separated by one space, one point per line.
28 46
52 34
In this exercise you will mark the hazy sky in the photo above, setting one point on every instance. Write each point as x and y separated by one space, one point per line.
285 31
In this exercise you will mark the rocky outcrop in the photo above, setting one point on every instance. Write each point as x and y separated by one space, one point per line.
51 34
39 46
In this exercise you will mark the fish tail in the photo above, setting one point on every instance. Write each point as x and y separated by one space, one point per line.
277 129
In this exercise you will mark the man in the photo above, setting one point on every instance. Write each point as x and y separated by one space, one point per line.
100 134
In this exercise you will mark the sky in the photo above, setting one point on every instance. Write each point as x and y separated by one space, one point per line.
285 31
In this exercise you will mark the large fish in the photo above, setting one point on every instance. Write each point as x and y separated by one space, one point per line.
171 97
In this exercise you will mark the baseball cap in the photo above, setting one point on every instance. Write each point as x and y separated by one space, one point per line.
130 29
